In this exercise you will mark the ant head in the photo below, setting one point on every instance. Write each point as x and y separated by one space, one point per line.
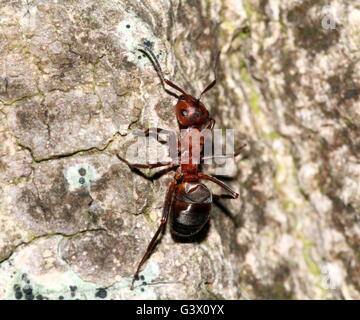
191 111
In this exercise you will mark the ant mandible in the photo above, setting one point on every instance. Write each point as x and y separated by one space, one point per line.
188 201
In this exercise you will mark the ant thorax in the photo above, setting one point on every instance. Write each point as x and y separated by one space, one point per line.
190 145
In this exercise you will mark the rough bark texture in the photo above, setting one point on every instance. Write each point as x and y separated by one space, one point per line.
75 220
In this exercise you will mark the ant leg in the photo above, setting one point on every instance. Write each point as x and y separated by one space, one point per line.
154 132
226 156
222 196
145 166
149 166
160 230
161 172
224 209
234 195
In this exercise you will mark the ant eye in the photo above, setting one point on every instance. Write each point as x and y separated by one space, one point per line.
184 112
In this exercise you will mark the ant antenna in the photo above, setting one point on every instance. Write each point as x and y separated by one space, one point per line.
214 81
146 50
207 89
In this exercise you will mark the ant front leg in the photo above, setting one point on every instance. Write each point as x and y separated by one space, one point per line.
233 194
160 230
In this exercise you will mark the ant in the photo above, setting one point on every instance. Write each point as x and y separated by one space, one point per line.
187 201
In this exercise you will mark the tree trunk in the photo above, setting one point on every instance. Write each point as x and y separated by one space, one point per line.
75 220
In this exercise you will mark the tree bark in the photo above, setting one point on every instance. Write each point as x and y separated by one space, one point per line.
75 220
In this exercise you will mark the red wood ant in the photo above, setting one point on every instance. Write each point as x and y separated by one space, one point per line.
188 201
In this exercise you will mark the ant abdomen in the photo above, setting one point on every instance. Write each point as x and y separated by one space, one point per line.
190 209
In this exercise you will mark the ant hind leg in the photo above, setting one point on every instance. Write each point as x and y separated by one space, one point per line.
160 230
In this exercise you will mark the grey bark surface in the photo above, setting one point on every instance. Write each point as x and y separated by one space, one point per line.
75 220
